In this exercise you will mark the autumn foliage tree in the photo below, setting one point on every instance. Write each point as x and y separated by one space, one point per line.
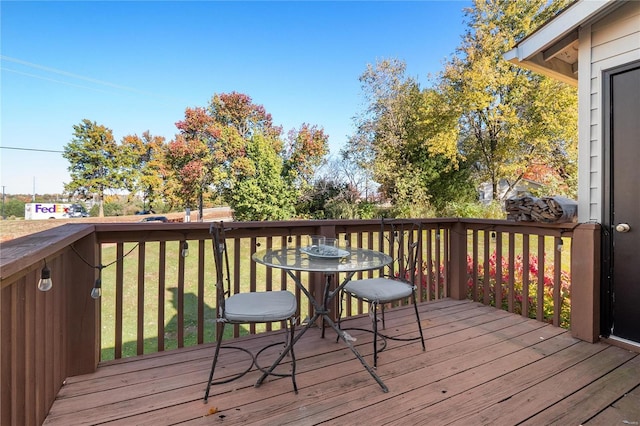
404 138
143 165
232 149
94 163
305 151
483 120
190 157
509 118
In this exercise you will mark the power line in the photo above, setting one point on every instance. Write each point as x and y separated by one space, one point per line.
108 84
68 74
30 149
54 80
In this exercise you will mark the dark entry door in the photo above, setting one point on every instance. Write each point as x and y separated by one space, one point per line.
624 171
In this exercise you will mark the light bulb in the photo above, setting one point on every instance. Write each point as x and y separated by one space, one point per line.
185 249
45 283
96 291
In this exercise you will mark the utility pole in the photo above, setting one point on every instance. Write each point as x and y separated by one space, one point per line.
3 216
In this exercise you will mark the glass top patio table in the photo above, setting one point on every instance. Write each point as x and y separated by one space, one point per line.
296 259
349 262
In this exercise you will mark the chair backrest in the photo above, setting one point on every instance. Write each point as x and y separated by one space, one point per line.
221 259
406 253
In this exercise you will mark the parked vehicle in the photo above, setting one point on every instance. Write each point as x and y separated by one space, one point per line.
33 211
76 210
155 219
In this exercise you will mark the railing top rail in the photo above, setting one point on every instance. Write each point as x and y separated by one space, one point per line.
537 228
122 232
20 255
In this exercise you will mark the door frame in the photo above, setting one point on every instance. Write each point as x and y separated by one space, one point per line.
606 288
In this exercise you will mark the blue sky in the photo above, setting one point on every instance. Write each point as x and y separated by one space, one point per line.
136 66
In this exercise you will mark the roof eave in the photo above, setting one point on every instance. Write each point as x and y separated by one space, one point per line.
536 51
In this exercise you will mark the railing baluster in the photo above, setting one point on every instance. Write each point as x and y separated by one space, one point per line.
201 290
512 275
162 276
557 278
269 280
181 305
252 275
119 299
140 316
475 286
486 284
541 289
444 289
431 241
436 265
525 275
498 288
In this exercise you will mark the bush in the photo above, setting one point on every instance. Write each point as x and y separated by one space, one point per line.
14 208
428 282
518 295
475 209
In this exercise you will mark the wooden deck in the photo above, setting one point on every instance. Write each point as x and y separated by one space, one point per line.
481 366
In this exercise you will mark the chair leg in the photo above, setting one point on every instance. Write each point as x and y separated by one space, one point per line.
220 333
341 300
292 335
374 319
384 326
415 306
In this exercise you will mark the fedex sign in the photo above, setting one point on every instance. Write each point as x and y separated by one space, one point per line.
51 208
46 210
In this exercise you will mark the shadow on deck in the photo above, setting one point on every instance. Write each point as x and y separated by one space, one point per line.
481 366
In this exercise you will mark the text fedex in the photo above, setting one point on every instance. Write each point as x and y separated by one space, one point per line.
46 210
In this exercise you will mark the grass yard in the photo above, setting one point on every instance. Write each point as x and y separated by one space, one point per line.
133 296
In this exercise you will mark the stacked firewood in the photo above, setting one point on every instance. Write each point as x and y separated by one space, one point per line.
546 209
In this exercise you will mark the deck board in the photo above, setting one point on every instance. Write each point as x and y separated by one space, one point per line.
481 366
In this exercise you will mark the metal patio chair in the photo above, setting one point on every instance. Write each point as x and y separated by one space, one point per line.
248 308
391 288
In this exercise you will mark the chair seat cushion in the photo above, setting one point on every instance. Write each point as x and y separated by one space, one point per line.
380 289
261 306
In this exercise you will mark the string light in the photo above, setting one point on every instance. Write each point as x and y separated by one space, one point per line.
96 291
185 249
45 282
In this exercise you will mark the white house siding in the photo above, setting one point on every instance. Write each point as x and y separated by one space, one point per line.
608 43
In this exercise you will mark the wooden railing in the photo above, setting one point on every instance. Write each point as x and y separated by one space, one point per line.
46 337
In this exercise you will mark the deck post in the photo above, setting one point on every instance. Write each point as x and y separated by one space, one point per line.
585 282
83 312
458 262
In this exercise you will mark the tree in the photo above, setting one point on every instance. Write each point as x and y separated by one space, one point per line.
188 159
143 160
231 149
13 208
405 138
259 191
195 158
94 162
509 118
305 151
236 110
